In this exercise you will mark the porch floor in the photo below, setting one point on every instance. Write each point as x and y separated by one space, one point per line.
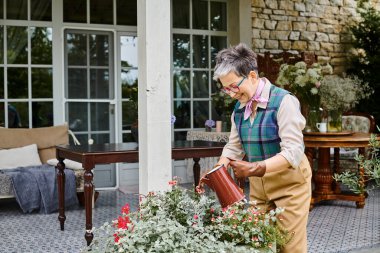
334 226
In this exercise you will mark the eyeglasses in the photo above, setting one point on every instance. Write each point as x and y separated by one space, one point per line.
231 88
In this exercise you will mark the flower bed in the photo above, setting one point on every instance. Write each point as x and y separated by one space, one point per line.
181 220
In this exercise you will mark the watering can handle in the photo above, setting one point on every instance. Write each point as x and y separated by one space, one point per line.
204 180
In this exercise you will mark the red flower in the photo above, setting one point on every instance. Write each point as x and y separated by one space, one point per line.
117 238
195 217
122 223
173 182
125 209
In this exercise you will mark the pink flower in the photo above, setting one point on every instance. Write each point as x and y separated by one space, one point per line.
212 219
212 210
317 84
255 238
195 217
173 182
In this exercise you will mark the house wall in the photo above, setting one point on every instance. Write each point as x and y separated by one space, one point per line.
318 26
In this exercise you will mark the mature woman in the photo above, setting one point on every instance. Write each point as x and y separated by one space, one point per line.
266 129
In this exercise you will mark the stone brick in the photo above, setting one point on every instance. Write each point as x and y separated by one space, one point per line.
329 47
340 47
299 45
299 7
257 10
294 36
284 26
334 38
323 59
271 44
279 17
267 11
324 2
291 13
313 46
350 3
337 70
270 24
256 33
331 21
310 36
279 12
299 26
286 45
279 35
286 5
264 34
301 19
325 28
336 2
258 3
315 19
346 11
331 10
345 37
312 27
322 37
338 61
257 43
258 23
263 16
272 4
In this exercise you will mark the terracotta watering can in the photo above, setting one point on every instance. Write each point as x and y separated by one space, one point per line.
221 182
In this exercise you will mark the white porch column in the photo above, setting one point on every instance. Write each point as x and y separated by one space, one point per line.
153 27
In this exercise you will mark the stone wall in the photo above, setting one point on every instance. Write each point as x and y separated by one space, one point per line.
318 26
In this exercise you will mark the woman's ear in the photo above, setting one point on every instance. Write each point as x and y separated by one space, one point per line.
253 75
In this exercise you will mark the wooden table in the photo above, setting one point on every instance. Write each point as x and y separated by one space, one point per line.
325 187
90 155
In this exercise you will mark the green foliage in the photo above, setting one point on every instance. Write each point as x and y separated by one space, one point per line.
181 220
224 105
365 58
371 166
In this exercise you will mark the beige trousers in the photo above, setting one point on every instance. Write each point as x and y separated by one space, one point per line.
289 188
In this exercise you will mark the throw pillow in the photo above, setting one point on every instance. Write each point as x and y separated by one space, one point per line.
70 164
19 157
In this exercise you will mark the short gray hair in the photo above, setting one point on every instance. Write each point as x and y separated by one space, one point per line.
239 59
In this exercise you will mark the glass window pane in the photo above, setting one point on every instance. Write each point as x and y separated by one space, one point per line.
200 84
101 12
181 50
100 116
200 49
78 117
180 136
200 14
74 11
2 115
82 138
181 84
126 12
99 50
99 83
42 114
1 43
127 137
1 16
200 113
77 83
41 43
217 43
17 9
42 83
218 14
182 113
40 10
129 114
17 83
128 46
76 49
1 82
129 84
17 43
100 138
181 13
18 115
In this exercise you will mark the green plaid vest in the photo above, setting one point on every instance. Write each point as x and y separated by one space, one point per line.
261 140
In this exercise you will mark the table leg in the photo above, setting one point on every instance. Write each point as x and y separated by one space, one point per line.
61 192
337 169
88 191
196 171
323 176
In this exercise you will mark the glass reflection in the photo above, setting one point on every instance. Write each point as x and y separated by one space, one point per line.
100 116
17 45
217 43
218 16
42 114
180 136
78 116
126 12
181 84
200 14
75 11
200 84
181 13
17 83
129 114
2 114
1 82
41 43
101 12
77 83
99 50
100 138
129 84
1 17
200 49
182 113
76 49
40 10
17 9
99 83
128 48
18 115
42 83
181 50
1 42
200 113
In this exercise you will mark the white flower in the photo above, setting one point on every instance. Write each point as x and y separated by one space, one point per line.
314 91
300 65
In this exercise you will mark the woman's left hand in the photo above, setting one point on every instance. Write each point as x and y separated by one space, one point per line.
246 169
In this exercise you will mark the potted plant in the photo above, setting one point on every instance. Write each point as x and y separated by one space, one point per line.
180 220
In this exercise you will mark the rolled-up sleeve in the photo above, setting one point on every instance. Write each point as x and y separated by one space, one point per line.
233 148
291 123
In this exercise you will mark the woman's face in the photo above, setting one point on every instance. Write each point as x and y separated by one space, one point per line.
246 88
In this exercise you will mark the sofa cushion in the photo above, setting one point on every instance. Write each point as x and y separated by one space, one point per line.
19 157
